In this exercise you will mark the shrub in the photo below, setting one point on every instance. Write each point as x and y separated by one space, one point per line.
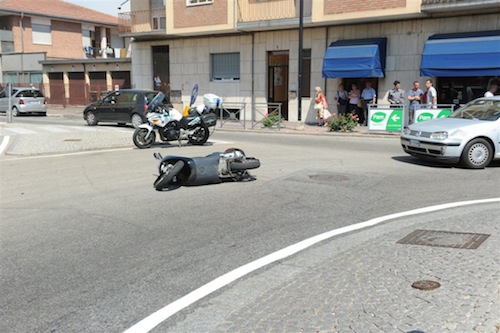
342 123
271 119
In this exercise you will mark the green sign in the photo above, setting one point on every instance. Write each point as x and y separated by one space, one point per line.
390 120
428 114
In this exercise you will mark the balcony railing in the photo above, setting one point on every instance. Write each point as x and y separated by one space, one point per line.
142 21
258 10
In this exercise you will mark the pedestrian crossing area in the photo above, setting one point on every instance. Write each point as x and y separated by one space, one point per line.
58 129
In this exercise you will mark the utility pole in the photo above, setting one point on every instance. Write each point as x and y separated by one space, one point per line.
301 56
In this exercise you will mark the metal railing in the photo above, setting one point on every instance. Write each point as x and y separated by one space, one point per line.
251 10
142 21
232 113
263 110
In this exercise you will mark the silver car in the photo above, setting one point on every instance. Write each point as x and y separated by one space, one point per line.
24 100
470 135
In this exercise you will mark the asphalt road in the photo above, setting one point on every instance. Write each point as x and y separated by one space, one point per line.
89 246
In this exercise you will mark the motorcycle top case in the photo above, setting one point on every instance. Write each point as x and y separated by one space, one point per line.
212 101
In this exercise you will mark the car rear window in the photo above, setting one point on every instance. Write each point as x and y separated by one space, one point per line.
30 93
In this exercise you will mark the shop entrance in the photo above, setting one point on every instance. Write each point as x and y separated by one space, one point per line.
277 82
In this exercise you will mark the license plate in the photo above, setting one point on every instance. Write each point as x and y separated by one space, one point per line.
414 143
34 102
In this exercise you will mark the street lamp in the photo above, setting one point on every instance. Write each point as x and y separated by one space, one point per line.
124 2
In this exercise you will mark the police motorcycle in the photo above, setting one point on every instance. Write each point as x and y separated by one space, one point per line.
192 125
230 165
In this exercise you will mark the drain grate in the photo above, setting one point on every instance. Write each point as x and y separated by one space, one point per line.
458 240
73 140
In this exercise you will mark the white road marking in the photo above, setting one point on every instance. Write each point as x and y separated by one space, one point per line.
163 314
4 144
53 129
20 130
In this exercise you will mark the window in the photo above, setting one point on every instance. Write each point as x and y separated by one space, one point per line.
41 31
225 66
198 2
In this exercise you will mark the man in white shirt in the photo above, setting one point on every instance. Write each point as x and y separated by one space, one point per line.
431 94
491 92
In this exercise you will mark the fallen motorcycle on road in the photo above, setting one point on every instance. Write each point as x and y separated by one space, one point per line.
232 165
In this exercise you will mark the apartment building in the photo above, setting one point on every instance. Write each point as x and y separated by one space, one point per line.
247 51
71 52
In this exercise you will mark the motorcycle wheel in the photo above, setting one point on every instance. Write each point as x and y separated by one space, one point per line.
140 140
165 178
200 135
249 163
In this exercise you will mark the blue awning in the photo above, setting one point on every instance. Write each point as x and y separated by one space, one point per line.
473 54
356 58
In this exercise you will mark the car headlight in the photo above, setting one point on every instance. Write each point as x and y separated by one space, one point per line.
439 135
406 131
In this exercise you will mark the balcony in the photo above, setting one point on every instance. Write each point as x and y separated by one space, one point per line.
270 14
436 6
143 23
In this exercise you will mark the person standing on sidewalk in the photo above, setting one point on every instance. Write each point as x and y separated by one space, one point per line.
369 96
354 96
430 95
396 95
342 99
320 105
415 96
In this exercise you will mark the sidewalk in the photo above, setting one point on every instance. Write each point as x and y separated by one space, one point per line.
362 282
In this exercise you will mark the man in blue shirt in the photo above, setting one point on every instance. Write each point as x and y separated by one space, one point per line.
369 96
415 96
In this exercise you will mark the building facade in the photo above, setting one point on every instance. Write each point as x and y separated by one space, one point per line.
71 52
247 51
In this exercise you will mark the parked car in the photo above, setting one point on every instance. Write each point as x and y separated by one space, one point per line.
24 100
121 106
470 135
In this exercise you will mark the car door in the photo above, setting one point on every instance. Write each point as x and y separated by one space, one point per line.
125 106
105 109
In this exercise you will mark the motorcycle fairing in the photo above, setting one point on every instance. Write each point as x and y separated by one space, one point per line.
198 170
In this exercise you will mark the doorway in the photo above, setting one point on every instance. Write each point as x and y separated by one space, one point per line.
277 82
161 69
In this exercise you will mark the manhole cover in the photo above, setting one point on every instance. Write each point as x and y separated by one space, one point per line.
458 240
426 285
72 139
328 177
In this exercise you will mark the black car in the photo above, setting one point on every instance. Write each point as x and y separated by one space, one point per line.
120 106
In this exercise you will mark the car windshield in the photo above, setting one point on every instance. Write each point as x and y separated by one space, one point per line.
488 110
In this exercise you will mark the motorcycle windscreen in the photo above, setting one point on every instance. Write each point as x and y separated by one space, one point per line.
156 101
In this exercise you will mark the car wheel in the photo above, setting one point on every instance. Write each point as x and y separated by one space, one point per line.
136 120
91 118
15 112
477 154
